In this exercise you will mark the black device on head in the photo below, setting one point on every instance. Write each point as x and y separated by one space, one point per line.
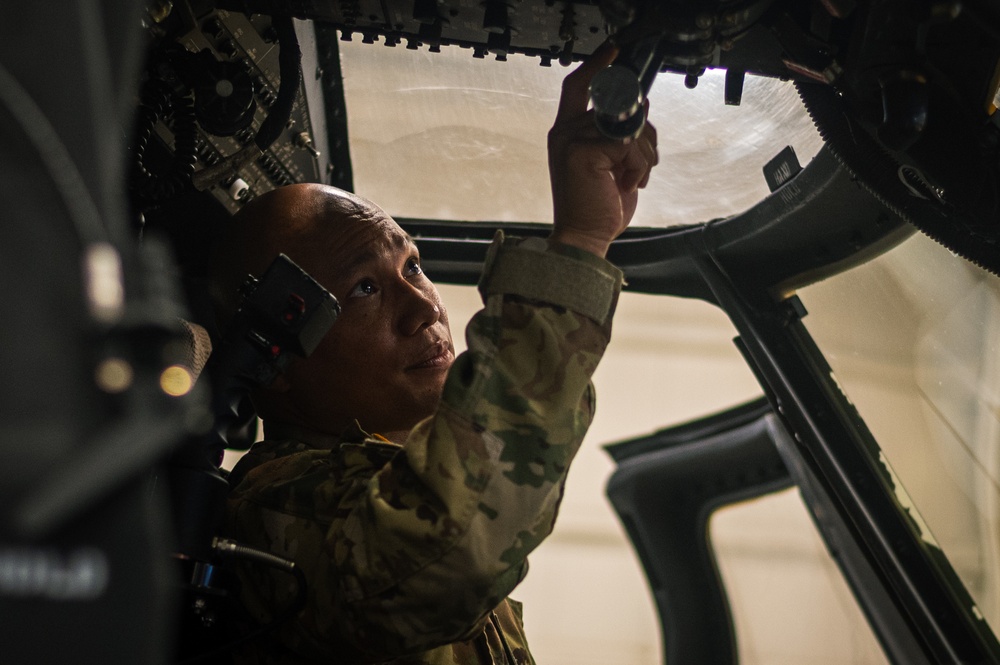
282 314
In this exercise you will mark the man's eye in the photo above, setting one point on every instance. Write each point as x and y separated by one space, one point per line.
364 289
413 267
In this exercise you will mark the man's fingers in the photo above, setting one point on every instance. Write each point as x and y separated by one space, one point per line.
649 132
647 143
633 173
576 86
638 161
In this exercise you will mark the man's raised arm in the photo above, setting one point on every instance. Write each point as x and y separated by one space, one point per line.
595 180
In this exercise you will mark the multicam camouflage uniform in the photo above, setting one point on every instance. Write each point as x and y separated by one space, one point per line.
410 551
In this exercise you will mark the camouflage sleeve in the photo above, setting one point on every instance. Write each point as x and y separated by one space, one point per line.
418 555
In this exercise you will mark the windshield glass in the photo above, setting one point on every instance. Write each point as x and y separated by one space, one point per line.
919 355
790 603
433 137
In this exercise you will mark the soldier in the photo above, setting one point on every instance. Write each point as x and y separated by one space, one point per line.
407 484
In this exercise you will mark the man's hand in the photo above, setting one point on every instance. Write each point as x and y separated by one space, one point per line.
595 180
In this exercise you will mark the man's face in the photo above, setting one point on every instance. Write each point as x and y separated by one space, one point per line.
385 360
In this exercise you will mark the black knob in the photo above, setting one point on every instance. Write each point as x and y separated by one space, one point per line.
617 96
224 101
619 91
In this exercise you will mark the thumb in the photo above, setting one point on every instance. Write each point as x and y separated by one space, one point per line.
576 86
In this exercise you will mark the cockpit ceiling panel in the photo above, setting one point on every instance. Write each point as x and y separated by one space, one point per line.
432 137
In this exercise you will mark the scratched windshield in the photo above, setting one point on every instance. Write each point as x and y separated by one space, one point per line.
433 137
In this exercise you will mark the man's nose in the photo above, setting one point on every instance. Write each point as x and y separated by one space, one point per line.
421 309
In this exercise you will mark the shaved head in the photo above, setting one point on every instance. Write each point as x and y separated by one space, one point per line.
384 361
296 220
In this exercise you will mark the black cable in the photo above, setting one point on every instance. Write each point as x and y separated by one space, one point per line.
231 549
158 101
289 69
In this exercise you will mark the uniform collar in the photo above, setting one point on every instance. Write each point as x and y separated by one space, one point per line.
315 439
